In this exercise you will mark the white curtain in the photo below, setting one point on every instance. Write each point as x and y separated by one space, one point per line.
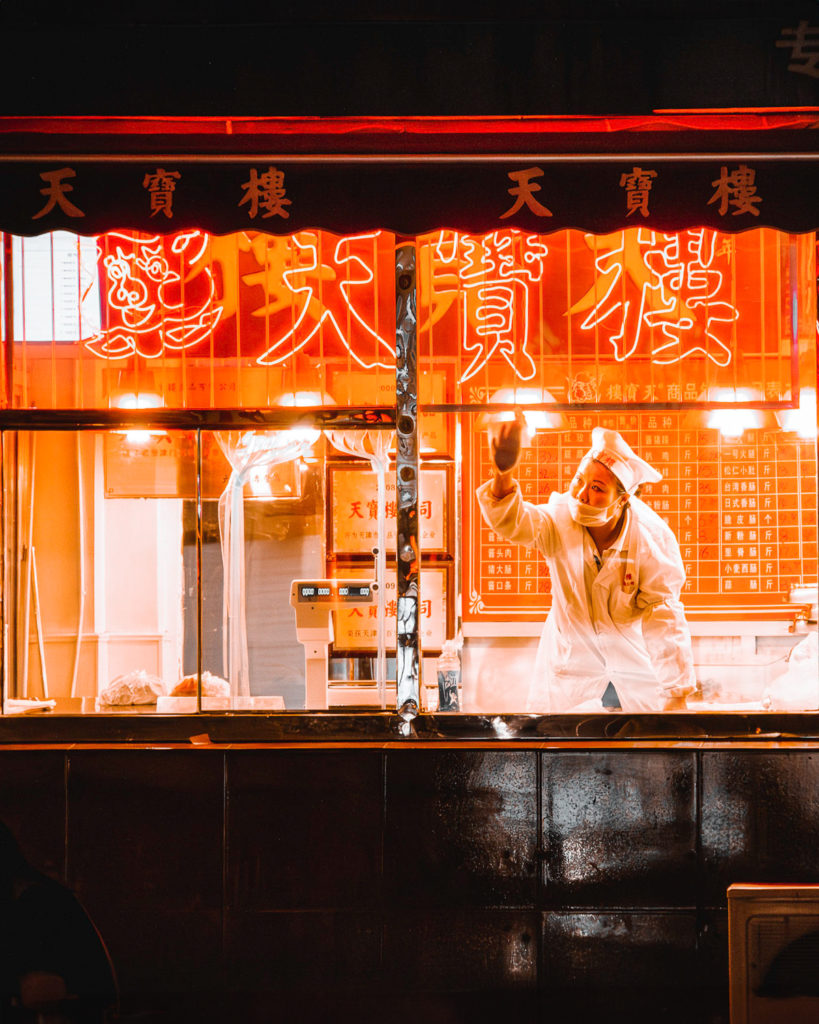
245 451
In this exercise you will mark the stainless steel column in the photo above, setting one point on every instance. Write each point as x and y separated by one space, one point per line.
408 646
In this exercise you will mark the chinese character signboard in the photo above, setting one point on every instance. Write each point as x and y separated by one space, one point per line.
412 196
197 320
353 519
356 628
632 317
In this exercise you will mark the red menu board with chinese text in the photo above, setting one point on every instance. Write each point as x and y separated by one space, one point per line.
743 510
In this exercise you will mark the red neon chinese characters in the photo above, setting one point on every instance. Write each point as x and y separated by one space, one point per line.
280 295
325 293
661 295
494 276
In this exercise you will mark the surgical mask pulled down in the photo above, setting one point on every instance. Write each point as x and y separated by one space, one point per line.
588 515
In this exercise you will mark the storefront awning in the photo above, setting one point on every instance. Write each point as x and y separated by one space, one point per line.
414 177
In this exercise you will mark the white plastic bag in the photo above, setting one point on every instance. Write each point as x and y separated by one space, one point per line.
137 687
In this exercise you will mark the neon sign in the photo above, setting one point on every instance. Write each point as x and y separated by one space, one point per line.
317 289
668 282
493 275
147 311
666 296
153 308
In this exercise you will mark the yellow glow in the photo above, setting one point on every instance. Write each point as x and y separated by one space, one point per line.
802 421
139 437
536 419
138 400
304 399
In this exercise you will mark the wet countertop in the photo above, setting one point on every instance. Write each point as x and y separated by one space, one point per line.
142 725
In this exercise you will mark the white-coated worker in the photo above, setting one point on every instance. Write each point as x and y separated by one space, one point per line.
616 572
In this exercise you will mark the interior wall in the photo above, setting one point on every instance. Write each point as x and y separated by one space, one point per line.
108 575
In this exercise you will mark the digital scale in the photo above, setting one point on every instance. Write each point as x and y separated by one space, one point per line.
314 602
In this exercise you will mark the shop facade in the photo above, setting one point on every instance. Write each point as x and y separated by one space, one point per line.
247 380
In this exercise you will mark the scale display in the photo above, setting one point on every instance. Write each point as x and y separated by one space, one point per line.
310 593
330 592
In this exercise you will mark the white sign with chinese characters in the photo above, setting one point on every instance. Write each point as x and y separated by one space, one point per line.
356 629
354 510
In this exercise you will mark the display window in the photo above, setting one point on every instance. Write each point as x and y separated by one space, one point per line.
213 445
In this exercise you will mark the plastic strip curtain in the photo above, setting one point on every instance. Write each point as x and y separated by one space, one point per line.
244 451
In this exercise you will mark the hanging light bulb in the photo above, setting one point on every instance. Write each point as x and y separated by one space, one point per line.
304 399
536 419
138 400
732 423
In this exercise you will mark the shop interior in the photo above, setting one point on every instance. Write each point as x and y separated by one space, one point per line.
202 566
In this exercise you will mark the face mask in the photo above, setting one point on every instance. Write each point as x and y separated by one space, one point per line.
587 515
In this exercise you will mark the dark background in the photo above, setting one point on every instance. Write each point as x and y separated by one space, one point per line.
519 57
449 886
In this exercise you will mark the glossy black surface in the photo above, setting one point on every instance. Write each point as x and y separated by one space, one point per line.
33 806
346 726
461 828
760 819
462 884
619 829
304 830
144 853
621 966
464 950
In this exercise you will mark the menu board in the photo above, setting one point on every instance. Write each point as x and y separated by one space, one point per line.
743 510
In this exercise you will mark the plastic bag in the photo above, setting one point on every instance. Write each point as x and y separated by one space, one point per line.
137 687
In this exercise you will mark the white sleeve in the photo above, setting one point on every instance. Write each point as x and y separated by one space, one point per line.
665 630
517 520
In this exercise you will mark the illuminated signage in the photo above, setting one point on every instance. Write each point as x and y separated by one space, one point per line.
149 311
674 283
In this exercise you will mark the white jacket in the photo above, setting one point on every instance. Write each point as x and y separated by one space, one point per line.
623 624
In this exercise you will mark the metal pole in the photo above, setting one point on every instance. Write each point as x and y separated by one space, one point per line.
407 647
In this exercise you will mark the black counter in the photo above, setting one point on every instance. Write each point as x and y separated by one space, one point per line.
386 727
395 878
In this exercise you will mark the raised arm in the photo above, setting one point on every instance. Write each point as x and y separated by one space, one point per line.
500 500
506 444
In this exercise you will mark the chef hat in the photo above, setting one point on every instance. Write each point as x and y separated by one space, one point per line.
609 448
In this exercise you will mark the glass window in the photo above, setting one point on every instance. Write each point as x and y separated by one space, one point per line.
698 348
195 555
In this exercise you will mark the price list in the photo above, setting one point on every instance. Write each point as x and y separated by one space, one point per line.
743 510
